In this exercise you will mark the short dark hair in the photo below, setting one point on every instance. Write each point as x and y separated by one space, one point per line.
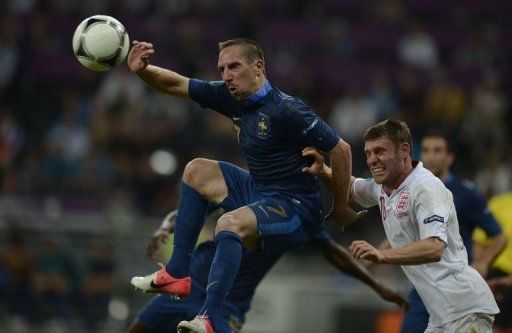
437 133
395 130
251 50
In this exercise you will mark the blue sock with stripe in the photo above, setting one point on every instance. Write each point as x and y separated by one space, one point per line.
189 222
222 273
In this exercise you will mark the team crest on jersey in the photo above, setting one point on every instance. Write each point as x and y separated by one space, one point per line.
403 202
263 125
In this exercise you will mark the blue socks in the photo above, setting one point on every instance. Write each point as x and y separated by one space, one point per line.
189 222
222 273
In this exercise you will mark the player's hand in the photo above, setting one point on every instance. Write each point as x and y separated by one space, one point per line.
363 250
394 297
139 56
481 268
161 236
317 168
345 216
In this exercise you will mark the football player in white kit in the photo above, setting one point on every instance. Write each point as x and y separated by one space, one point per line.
421 225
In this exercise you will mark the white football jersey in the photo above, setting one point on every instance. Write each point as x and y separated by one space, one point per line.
419 208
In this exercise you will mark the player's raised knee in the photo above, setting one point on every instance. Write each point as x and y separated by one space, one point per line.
196 172
228 222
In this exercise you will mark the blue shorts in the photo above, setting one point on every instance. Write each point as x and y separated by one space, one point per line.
416 319
163 314
283 222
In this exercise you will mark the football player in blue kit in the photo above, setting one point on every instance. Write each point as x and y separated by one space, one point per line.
273 207
163 313
437 156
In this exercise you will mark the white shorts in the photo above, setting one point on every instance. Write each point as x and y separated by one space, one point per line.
472 323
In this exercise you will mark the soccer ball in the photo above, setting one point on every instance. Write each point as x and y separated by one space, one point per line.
100 43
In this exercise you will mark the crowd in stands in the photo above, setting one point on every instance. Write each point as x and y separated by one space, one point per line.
71 134
68 132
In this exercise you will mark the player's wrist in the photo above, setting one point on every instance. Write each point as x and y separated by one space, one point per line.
325 173
384 256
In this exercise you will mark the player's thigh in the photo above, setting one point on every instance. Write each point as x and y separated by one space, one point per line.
280 225
241 190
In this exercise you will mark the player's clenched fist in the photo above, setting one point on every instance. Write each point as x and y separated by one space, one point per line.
139 56
363 250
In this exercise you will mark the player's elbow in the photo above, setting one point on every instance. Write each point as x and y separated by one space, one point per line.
342 147
437 255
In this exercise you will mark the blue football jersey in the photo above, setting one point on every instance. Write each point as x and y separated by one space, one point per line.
471 210
272 129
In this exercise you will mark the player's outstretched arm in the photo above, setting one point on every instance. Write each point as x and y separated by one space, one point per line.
341 157
159 79
341 259
421 252
341 165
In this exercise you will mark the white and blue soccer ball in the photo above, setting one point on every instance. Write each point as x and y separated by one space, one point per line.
100 43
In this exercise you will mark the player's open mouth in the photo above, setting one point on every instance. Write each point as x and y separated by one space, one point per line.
377 171
232 89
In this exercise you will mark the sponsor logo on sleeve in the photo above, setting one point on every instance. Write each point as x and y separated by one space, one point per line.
433 218
310 127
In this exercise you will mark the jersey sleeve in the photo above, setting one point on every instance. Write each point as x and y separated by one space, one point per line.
310 129
477 211
432 207
213 95
364 192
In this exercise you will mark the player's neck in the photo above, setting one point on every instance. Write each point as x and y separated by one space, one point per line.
256 90
260 82
400 179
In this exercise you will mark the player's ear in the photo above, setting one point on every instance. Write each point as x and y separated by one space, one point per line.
405 148
259 67
451 158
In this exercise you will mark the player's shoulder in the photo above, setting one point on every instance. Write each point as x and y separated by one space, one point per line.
426 181
463 188
288 103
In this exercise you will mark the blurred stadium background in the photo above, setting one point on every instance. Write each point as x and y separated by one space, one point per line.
89 162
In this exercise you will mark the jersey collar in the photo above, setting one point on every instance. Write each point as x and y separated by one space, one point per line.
258 96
